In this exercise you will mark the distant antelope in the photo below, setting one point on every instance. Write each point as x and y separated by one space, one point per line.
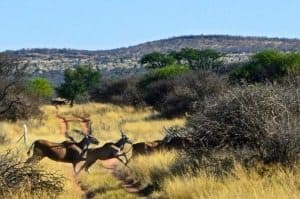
170 141
67 151
107 151
175 141
146 147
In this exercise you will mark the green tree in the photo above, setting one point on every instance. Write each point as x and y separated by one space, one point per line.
177 56
77 82
156 60
267 65
40 87
199 59
162 73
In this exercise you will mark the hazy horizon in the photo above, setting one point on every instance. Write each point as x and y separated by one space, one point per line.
95 25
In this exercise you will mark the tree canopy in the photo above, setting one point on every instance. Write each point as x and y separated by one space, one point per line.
77 82
156 60
267 65
207 59
40 87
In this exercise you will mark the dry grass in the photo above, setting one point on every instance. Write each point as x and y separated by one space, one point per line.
105 119
246 184
152 169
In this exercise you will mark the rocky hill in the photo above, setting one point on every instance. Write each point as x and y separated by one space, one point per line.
51 63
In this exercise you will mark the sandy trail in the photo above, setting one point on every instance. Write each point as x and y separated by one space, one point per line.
128 183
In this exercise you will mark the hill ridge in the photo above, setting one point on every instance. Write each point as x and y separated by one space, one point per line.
51 62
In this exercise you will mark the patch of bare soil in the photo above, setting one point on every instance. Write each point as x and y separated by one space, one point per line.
127 182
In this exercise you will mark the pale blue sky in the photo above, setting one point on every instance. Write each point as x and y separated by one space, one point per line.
107 24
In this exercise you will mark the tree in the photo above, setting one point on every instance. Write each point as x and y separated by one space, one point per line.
78 82
15 103
11 74
40 87
177 56
267 65
199 59
156 60
162 73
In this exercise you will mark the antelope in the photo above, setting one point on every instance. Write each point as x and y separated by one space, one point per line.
170 141
175 141
67 151
146 147
108 151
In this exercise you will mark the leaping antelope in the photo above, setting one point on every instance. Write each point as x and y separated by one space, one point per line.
67 151
107 151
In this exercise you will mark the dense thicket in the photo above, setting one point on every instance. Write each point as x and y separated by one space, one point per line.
249 123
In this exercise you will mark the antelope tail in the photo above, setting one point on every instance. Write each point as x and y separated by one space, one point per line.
30 148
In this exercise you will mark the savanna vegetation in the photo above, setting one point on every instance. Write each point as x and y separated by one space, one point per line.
242 129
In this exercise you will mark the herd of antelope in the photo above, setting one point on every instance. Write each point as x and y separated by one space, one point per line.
71 151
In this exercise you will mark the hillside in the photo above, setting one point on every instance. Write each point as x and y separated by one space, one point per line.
124 61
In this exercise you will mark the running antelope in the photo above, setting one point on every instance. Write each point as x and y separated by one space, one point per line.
107 151
170 141
67 151
175 141
146 147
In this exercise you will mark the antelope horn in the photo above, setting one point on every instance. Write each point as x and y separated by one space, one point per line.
78 131
64 126
120 127
90 131
168 131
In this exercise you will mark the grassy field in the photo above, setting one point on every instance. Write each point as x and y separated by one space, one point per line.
154 169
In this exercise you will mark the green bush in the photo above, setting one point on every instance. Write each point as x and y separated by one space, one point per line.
267 65
162 73
40 87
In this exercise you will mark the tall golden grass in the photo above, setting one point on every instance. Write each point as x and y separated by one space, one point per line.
106 119
149 169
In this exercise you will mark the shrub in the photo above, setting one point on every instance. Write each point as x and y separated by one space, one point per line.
259 121
40 87
162 73
267 65
120 91
24 107
183 93
16 176
15 102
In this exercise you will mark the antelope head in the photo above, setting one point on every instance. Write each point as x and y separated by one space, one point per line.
169 135
124 137
91 139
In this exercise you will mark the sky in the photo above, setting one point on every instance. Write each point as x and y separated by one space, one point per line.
108 24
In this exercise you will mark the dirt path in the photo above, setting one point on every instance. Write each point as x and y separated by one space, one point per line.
79 188
127 182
